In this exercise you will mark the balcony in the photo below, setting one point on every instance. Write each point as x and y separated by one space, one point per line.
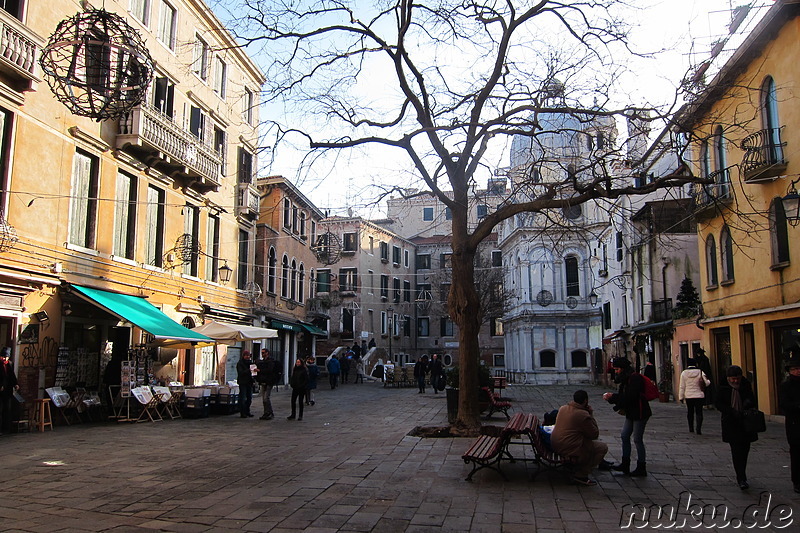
247 201
155 140
662 310
19 53
763 156
709 197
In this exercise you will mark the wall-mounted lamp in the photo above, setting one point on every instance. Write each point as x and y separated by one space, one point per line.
66 309
225 273
791 205
41 316
593 298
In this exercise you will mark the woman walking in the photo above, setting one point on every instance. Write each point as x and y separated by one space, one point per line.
693 390
299 383
732 399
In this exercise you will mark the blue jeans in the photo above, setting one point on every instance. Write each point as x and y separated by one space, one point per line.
635 428
245 399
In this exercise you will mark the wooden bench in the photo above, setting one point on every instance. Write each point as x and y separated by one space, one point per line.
496 403
544 457
486 452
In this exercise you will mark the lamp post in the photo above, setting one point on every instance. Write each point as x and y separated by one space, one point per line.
593 298
791 205
225 273
389 314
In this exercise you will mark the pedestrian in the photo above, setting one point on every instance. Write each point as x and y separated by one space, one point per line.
649 371
360 370
732 399
244 377
629 401
345 365
333 370
8 384
437 374
299 383
420 369
356 350
267 377
364 348
313 374
703 363
371 343
575 435
789 401
693 391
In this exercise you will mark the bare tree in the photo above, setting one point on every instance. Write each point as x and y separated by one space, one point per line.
448 84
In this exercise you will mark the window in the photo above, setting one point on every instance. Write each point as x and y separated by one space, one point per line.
303 225
445 261
547 359
496 327
248 101
601 141
370 283
164 96
444 292
83 209
497 258
197 123
384 286
396 290
483 210
293 282
350 242
573 280
607 315
141 10
384 246
705 160
396 255
446 327
244 254
448 213
406 256
423 326
323 280
578 359
620 254
191 227
625 310
285 277
406 326
769 116
604 267
499 359
295 219
220 77
423 261
212 248
427 213
711 261
406 291
220 143
313 232
125 216
272 263
287 213
167 25
154 240
721 160
348 279
245 170
384 325
371 244
726 254
301 283
779 233
347 323
200 58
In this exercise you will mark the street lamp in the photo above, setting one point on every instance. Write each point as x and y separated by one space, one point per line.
225 273
593 298
389 320
791 205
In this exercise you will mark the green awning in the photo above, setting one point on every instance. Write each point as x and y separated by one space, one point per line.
142 314
286 326
314 330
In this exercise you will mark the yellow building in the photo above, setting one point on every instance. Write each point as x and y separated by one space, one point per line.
151 206
744 134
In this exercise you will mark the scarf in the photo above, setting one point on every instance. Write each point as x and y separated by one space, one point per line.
736 399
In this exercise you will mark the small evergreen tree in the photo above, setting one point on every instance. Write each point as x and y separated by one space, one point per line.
688 300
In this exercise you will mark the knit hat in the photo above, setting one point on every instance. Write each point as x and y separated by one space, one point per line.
5 352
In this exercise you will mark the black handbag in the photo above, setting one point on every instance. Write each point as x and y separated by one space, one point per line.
753 421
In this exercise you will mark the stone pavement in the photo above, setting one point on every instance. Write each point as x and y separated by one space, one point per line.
350 466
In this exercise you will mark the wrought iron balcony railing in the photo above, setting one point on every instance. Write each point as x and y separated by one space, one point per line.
708 195
763 156
19 50
150 135
247 201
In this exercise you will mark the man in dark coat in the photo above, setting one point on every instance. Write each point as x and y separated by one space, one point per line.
575 435
8 384
244 377
437 373
333 370
629 399
267 377
420 369
733 399
789 401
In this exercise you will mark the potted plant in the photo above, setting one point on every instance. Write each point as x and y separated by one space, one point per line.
665 385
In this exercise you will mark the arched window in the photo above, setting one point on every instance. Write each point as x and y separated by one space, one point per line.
301 284
721 163
547 359
287 213
271 266
769 118
293 284
711 261
779 233
705 160
285 277
573 278
578 359
726 254
312 287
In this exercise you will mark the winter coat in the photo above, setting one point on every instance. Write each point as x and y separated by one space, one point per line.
333 366
420 369
244 377
8 380
574 431
630 397
299 379
789 401
267 374
732 428
313 374
437 369
690 384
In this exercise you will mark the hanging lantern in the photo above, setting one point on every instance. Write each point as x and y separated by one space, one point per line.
328 248
186 248
8 235
252 291
97 65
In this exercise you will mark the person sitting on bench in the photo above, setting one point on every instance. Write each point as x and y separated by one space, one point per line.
575 436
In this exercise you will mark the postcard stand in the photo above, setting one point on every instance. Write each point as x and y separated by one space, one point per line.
149 403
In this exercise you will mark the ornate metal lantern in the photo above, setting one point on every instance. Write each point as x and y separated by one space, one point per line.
328 248
186 248
8 235
97 65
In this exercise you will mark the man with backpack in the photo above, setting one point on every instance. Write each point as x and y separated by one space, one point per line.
631 401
